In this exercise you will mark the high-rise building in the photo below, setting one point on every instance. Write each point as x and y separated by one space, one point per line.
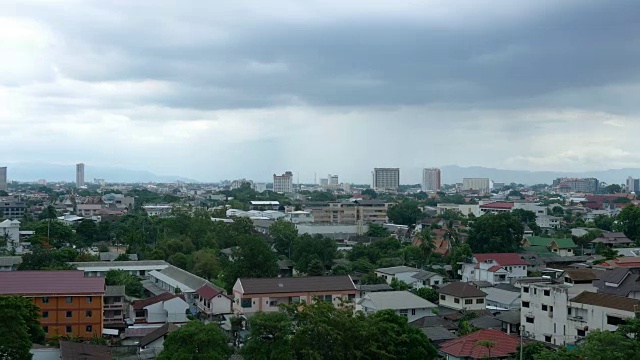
431 179
386 178
333 179
633 185
283 183
476 184
324 182
80 175
3 178
585 185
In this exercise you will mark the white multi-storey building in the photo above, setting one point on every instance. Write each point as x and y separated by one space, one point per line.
80 175
477 184
431 180
3 178
633 185
386 178
283 183
494 268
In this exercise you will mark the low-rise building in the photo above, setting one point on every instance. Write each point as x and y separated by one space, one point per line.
267 294
496 268
12 210
428 279
399 273
160 309
70 304
10 234
140 268
114 306
467 347
620 281
462 296
10 263
297 217
212 302
558 246
404 303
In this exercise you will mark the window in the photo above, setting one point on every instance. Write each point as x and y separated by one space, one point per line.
456 300
544 307
468 301
69 329
479 301
529 320
273 303
442 297
614 320
436 282
547 338
89 328
295 299
551 308
327 298
89 313
547 292
45 300
89 299
582 333
246 303
525 304
413 311
69 300
45 314
568 311
404 313
351 297
525 289
69 314
46 329
535 291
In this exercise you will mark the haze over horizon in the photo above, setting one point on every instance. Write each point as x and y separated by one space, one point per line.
214 91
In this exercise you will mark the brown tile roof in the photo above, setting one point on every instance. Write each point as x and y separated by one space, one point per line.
141 304
207 292
51 282
297 284
461 290
583 274
78 351
608 301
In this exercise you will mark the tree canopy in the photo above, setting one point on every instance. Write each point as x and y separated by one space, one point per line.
19 327
132 285
405 213
196 341
496 233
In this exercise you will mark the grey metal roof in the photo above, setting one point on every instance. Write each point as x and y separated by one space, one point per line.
397 270
87 264
486 322
114 290
434 321
424 275
395 300
193 281
510 317
501 296
10 260
110 256
438 334
374 287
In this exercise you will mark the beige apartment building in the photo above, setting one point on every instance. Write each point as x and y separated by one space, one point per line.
367 211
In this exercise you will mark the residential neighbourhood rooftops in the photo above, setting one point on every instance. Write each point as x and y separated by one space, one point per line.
486 322
157 333
504 259
608 301
434 321
461 290
374 287
297 284
397 270
497 205
49 282
396 300
79 351
424 275
99 264
583 274
563 243
173 274
208 292
438 334
466 346
509 317
114 290
141 304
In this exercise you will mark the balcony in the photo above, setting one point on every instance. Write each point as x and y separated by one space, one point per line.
578 319
116 306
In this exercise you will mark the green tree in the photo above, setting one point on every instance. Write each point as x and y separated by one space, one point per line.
487 344
206 264
628 221
196 341
87 231
284 234
253 258
613 189
132 285
496 233
307 248
399 285
269 337
377 231
405 213
531 350
315 267
459 255
370 192
50 214
525 216
557 211
179 260
19 327
388 336
122 257
427 244
41 258
428 294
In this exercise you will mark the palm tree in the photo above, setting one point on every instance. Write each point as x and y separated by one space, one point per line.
427 244
451 233
50 214
487 344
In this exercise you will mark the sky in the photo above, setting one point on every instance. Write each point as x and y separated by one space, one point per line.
216 90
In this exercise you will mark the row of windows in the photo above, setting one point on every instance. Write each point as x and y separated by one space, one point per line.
545 292
466 301
68 299
69 314
69 329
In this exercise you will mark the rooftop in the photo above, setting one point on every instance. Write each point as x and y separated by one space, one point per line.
504 259
607 301
208 292
65 282
563 243
157 333
397 270
114 290
424 275
583 274
116 264
461 290
297 284
438 334
497 205
79 351
182 277
467 347
141 304
396 300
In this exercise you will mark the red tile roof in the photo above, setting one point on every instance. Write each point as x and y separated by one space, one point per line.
494 268
51 282
141 304
504 259
207 292
466 347
497 205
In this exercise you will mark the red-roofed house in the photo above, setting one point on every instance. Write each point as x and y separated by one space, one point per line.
212 302
70 304
468 347
161 309
495 268
496 207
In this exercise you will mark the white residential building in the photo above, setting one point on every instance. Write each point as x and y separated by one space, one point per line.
427 279
497 268
386 178
482 185
10 231
404 303
462 296
260 187
80 175
171 278
212 301
431 179
401 273
161 309
283 183
550 313
140 268
548 221
297 217
533 207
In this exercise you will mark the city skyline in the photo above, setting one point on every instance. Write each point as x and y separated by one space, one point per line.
219 102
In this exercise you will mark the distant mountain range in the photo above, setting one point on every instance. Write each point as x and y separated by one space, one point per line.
453 174
55 172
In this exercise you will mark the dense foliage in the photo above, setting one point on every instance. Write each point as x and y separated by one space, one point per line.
496 233
196 341
19 327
